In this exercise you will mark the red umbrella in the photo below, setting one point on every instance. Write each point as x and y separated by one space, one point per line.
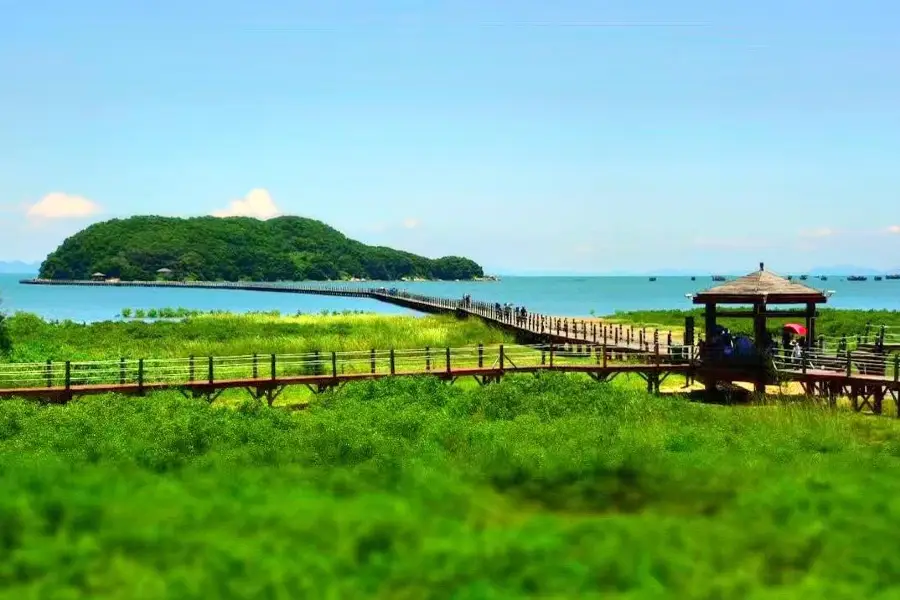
796 328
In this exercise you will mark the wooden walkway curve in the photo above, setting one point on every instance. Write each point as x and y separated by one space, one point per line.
530 328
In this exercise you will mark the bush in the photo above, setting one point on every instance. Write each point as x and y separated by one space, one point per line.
5 340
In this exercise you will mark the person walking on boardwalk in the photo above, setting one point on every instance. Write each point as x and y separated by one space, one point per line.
796 353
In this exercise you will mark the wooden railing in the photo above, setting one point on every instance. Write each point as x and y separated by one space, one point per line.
318 367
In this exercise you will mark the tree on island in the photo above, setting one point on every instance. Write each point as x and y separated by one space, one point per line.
235 248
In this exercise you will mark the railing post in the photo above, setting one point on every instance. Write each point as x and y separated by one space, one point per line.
210 370
372 361
334 364
448 358
191 368
502 358
49 373
393 368
140 377
849 363
551 354
428 358
803 359
255 366
68 375
122 371
481 355
604 352
897 370
272 366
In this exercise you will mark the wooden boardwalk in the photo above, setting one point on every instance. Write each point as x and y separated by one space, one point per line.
532 327
600 350
266 376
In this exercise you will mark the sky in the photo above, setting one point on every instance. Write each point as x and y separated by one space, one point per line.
534 137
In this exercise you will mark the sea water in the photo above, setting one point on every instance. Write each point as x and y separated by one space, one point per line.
570 296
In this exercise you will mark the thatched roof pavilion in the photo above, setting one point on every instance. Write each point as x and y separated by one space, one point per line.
760 289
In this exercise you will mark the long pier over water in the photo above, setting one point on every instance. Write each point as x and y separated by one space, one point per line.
599 350
528 327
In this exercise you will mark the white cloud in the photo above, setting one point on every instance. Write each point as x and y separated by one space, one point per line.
819 232
58 205
893 229
411 223
257 203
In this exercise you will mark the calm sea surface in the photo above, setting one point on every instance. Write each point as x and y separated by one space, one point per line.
575 296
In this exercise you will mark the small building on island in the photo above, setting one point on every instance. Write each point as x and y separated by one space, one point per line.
164 273
98 276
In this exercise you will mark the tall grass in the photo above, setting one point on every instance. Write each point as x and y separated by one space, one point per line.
228 334
535 487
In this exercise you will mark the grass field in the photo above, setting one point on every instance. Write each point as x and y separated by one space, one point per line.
35 340
551 486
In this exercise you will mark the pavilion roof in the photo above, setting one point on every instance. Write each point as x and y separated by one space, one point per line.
760 286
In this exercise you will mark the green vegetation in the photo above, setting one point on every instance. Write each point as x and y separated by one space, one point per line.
5 342
832 323
35 340
551 486
237 248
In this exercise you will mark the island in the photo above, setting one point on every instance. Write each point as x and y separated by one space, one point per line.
289 248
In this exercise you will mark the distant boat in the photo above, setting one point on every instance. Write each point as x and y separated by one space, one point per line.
653 279
877 278
718 278
823 277
857 278
693 279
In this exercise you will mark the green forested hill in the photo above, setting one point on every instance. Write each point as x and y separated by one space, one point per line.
212 248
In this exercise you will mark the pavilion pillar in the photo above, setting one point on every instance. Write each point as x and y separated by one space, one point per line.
759 337
709 326
810 324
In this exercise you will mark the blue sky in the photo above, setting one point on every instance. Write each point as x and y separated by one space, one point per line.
531 136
